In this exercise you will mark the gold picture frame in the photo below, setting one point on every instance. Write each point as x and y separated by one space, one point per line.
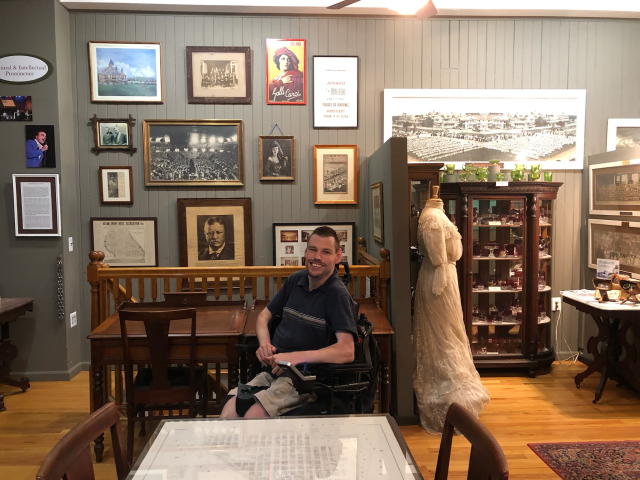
335 174
285 169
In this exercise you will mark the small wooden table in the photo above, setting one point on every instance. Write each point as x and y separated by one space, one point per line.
10 310
611 336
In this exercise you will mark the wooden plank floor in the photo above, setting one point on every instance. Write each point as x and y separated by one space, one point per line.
522 410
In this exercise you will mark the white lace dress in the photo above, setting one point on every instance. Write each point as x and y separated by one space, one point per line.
443 372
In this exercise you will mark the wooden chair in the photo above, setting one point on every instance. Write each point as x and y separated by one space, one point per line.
487 460
160 387
71 457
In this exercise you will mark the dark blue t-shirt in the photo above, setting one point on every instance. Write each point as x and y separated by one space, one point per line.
310 318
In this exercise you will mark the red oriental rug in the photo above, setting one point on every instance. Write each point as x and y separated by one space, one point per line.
591 460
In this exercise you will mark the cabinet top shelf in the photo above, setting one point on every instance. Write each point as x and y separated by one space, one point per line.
497 258
513 225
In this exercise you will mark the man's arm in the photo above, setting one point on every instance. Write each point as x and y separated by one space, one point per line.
32 149
262 332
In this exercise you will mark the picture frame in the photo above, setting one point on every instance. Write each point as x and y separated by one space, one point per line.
614 188
281 164
623 133
286 82
335 174
222 218
30 221
377 212
113 134
615 240
40 146
528 126
126 241
126 72
290 241
193 152
335 91
219 75
16 108
116 185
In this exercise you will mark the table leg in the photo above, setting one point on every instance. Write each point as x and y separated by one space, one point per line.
9 352
599 359
610 353
97 401
631 356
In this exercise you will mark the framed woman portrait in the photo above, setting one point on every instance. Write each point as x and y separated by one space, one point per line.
116 185
277 157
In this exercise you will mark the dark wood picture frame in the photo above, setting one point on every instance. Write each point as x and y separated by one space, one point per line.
377 238
316 85
300 226
246 100
56 227
95 125
101 182
125 220
272 138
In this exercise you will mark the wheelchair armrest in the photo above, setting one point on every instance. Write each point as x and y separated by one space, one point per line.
302 383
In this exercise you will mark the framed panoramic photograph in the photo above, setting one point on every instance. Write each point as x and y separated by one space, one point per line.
215 232
377 212
623 133
193 152
277 157
36 205
40 146
116 185
125 72
16 108
126 241
113 134
335 91
286 71
471 126
290 241
614 240
335 174
219 75
614 188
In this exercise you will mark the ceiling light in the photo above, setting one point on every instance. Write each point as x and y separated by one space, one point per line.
407 7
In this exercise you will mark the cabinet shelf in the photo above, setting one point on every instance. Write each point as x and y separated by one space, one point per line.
513 290
508 324
545 257
512 225
547 288
497 258
545 225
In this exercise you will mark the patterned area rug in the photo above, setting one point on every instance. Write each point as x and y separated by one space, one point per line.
591 460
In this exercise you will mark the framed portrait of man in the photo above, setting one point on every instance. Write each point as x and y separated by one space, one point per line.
40 146
113 134
277 157
286 71
219 75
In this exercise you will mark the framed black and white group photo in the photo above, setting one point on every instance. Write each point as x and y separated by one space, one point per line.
113 134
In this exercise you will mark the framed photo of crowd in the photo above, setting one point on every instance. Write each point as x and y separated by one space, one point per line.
126 242
193 152
615 240
286 71
113 134
623 133
277 157
614 188
116 185
335 174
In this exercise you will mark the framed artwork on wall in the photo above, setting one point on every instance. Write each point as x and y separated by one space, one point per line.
215 232
335 174
614 188
277 157
40 146
615 240
377 212
16 108
116 185
286 71
126 241
36 205
290 241
193 152
335 91
219 75
623 133
113 134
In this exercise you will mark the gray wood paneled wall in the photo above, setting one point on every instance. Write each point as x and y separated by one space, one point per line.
601 56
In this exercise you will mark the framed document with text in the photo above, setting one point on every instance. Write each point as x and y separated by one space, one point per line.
36 205
335 91
126 241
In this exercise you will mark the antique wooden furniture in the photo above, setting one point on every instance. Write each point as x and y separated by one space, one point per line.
612 339
11 309
71 457
487 460
506 270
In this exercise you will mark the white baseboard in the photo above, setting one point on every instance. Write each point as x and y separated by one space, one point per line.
55 375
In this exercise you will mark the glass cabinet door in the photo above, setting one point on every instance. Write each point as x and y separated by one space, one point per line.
545 246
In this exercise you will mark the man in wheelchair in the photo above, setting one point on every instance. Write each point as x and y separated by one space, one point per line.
317 326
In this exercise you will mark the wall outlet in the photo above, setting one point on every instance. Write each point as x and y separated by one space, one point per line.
556 304
73 318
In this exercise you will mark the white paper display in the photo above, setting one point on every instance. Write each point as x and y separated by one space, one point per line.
335 92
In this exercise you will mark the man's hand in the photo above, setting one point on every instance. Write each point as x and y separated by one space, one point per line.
265 351
285 357
287 79
45 148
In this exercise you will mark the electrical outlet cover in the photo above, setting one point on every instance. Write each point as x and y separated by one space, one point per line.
73 318
556 304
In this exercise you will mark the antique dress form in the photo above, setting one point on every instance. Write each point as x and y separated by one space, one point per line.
443 371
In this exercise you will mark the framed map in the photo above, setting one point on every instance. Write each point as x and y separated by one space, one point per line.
126 242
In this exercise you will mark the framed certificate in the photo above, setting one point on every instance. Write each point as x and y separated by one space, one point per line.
36 205
335 91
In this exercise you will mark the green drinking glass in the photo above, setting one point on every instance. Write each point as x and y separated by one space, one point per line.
548 176
463 177
482 173
450 168
499 177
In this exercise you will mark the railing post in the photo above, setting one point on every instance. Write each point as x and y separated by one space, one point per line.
362 247
385 275
92 277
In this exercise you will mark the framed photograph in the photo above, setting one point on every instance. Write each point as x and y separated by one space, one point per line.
335 171
36 205
193 152
471 126
614 240
215 232
219 75
125 72
116 185
614 188
40 146
277 157
290 241
377 212
623 133
335 91
126 241
113 134
16 108
286 71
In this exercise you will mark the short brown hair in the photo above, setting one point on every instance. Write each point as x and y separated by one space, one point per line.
326 232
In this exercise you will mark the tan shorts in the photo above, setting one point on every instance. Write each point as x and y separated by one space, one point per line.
281 397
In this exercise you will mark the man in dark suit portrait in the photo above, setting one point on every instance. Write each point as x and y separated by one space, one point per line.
218 247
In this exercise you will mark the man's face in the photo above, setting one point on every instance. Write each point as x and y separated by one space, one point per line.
285 63
321 256
214 234
41 137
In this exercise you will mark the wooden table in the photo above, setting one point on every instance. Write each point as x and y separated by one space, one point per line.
11 309
611 336
382 332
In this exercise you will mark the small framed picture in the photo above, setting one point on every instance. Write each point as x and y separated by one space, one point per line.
290 241
113 134
40 146
16 108
286 71
614 188
335 171
335 91
126 242
623 133
277 157
36 204
116 185
615 240
219 75
377 213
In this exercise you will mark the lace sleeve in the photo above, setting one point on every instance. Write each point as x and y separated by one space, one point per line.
433 236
